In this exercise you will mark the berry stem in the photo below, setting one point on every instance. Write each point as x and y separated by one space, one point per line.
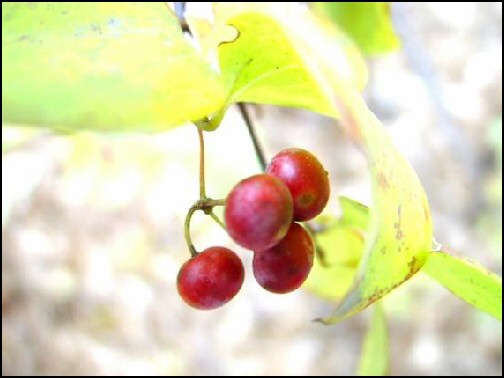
202 190
259 151
206 205
217 220
187 232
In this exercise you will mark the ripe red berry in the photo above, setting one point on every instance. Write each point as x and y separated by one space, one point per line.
258 212
306 179
284 267
211 278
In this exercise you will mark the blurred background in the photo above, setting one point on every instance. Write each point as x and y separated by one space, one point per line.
92 227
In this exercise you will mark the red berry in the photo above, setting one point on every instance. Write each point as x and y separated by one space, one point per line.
306 179
211 278
284 267
258 212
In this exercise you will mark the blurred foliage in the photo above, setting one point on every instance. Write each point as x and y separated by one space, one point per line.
368 24
374 360
490 221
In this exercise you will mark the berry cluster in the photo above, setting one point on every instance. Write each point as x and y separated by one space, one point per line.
260 215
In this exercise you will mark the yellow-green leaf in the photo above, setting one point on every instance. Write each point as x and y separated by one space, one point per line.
339 249
262 66
375 355
468 280
369 24
355 214
102 66
282 54
400 232
279 53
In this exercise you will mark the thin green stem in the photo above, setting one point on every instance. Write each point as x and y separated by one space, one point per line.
206 205
259 151
217 220
187 232
202 190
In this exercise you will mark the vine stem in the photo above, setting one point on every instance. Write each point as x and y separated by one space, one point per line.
259 151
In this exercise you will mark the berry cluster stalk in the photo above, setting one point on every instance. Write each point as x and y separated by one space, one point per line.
204 203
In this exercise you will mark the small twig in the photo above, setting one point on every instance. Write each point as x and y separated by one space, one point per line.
253 136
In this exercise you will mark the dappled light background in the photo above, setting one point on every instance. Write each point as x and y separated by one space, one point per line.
92 227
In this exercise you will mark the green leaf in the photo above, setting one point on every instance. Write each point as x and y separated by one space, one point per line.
468 280
329 282
369 24
339 249
375 353
400 231
102 66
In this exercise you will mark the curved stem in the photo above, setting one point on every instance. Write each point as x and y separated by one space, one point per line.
187 232
202 191
206 205
253 135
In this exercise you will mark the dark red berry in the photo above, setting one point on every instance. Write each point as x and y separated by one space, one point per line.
306 179
258 212
284 267
211 278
